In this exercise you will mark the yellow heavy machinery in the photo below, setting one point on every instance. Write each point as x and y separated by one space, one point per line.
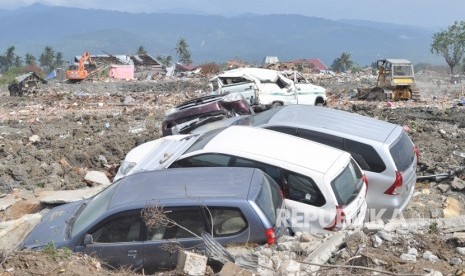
396 81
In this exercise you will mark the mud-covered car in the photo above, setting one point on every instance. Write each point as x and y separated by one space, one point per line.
199 111
143 220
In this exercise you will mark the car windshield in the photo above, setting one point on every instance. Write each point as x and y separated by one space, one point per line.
348 184
402 152
93 209
203 140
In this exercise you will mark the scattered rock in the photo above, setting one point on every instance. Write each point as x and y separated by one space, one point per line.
289 267
377 241
458 184
430 256
461 250
444 188
455 261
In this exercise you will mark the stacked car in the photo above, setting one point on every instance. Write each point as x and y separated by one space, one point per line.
242 178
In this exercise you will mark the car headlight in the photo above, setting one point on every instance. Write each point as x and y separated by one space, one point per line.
233 97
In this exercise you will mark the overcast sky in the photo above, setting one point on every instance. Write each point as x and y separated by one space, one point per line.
428 13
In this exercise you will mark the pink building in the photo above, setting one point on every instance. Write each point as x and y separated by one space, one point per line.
122 72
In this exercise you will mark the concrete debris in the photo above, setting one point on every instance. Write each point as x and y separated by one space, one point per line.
377 241
13 232
232 269
190 263
427 255
322 254
461 250
6 202
63 197
96 177
444 188
458 184
408 257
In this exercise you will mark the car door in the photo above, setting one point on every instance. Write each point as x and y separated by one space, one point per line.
180 228
116 241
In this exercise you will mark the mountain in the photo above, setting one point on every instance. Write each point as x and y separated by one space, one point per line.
248 37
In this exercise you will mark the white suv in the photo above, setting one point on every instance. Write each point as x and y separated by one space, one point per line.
324 187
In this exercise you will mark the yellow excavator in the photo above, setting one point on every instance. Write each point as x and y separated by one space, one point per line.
396 81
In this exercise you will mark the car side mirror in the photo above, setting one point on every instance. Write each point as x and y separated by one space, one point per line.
88 239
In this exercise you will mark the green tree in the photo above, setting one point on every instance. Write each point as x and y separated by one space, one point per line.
47 59
182 50
450 44
18 62
9 59
141 51
342 63
29 59
58 60
166 61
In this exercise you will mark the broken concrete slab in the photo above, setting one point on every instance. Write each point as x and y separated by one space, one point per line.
6 202
453 208
232 269
14 231
96 177
324 252
63 197
190 263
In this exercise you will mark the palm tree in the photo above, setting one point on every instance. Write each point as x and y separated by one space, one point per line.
141 51
184 56
30 59
345 61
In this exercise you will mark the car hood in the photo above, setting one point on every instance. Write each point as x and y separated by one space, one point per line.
54 227
159 154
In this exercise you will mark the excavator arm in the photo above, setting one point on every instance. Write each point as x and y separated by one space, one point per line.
80 73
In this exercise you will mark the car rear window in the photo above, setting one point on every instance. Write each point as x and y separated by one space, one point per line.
347 184
227 221
402 152
269 199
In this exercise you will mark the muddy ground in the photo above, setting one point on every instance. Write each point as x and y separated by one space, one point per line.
51 139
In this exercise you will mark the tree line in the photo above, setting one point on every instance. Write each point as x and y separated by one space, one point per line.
48 60
449 44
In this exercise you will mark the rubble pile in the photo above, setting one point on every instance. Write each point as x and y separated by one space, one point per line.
70 138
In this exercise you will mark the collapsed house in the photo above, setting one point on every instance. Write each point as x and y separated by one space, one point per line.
126 67
25 84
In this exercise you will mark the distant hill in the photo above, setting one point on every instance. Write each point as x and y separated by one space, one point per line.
211 38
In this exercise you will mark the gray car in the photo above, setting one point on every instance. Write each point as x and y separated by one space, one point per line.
383 150
234 205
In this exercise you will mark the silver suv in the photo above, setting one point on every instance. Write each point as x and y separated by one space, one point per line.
383 150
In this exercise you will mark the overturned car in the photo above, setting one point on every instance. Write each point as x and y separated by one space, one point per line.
191 114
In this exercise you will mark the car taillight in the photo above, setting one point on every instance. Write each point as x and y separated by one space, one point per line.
338 221
270 236
365 180
396 186
417 153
